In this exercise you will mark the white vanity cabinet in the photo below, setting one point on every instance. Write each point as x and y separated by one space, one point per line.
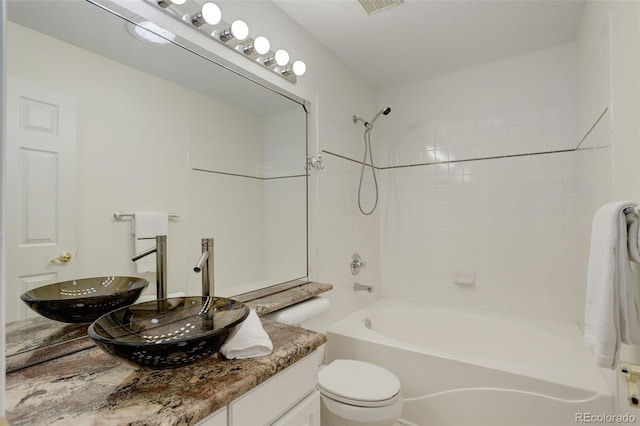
219 418
306 413
288 398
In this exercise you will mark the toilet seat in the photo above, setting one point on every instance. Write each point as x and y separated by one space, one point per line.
359 383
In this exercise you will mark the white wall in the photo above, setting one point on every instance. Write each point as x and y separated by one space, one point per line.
518 105
502 219
129 165
284 208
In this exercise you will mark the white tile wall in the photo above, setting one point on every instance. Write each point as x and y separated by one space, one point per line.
338 229
512 221
520 129
502 219
342 231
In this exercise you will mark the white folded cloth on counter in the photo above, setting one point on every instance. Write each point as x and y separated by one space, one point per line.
248 340
611 311
148 225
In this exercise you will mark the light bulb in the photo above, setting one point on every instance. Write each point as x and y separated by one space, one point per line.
209 14
299 68
282 57
239 30
151 33
261 45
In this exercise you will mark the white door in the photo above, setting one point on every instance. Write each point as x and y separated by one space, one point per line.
39 205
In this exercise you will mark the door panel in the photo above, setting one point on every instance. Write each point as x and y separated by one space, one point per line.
40 186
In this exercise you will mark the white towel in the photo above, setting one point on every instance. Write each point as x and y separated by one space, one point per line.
611 313
248 340
148 225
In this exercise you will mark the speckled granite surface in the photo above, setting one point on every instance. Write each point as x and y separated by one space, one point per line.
36 340
273 302
91 388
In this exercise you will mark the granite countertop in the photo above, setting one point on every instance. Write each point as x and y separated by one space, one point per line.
36 340
90 387
276 301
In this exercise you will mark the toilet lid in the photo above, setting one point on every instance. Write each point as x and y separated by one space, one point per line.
358 381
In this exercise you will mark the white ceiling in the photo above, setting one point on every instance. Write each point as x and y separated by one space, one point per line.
424 38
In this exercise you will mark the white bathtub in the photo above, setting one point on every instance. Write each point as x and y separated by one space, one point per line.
469 368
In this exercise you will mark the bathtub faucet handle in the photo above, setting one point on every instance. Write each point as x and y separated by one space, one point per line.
357 263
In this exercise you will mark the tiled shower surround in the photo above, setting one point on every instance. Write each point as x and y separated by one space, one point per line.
486 173
545 126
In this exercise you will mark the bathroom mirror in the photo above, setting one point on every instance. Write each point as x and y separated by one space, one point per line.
100 120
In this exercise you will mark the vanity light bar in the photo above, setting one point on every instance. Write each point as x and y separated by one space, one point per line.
207 18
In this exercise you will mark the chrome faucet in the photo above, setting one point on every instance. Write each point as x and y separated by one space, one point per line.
362 287
161 263
205 267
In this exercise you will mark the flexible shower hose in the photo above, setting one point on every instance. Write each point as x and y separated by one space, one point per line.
367 149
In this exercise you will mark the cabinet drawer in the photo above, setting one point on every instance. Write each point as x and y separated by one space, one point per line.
273 398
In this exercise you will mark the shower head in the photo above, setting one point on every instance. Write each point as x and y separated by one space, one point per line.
369 125
385 111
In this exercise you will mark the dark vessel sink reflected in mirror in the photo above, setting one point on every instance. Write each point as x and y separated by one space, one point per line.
84 300
168 333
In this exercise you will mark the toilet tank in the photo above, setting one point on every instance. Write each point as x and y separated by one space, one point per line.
311 314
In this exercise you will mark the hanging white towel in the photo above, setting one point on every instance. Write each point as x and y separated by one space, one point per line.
148 225
248 340
611 313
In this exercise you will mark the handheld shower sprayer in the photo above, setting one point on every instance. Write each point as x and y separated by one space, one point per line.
367 148
367 124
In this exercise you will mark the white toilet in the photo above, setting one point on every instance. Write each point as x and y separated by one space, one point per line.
353 393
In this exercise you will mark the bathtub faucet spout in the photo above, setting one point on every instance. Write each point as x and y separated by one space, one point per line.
362 287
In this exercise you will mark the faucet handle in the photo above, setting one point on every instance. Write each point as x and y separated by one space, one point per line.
357 263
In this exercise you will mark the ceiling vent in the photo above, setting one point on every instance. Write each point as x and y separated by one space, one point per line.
375 6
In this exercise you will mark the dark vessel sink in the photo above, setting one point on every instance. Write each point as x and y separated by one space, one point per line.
84 300
168 333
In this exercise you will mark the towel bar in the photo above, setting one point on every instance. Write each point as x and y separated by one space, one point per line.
118 215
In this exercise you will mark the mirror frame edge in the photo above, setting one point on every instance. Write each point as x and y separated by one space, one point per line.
2 154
